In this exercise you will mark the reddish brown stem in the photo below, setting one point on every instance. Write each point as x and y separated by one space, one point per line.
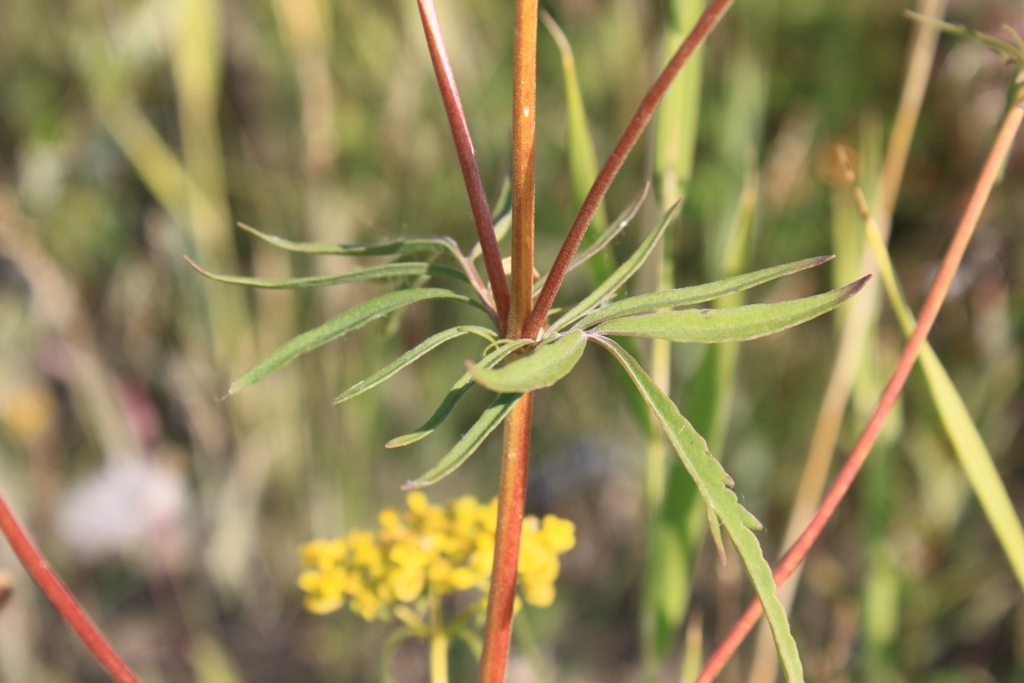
60 597
524 117
511 505
929 312
707 22
467 158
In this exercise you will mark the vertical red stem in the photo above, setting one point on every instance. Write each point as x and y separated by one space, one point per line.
511 504
929 312
644 112
58 595
524 118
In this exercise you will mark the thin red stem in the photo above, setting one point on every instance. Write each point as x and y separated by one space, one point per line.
929 312
707 22
60 597
511 505
467 158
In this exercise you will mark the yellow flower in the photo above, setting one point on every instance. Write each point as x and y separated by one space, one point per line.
427 549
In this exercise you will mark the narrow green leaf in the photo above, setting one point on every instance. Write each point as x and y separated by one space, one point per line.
470 441
723 506
605 237
741 323
411 356
410 246
687 296
457 391
352 319
619 277
547 364
392 270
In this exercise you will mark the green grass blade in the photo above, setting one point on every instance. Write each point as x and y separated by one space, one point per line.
741 323
350 320
458 390
620 276
548 363
723 507
580 144
470 441
393 270
970 448
410 357
686 296
411 246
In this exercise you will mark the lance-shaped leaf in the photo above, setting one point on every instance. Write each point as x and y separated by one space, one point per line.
457 391
410 246
723 507
352 319
741 323
386 272
410 357
547 364
619 277
470 441
687 296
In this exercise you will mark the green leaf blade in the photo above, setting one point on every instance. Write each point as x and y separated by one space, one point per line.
625 271
409 357
687 296
390 248
385 272
741 323
350 320
544 367
471 440
458 390
723 507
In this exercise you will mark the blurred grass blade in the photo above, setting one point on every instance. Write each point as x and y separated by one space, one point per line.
392 270
389 648
723 506
410 357
620 276
741 323
605 237
350 320
968 445
410 246
457 391
686 296
582 155
548 363
470 441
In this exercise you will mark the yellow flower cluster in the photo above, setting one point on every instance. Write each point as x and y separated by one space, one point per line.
427 550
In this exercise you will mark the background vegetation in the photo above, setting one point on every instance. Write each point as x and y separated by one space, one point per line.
134 132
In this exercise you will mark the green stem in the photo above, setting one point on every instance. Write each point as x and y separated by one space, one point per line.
439 643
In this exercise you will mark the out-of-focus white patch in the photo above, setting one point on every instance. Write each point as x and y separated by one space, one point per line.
136 507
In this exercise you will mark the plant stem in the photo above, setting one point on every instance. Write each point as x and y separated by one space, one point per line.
60 597
467 158
641 117
929 312
516 450
439 642
524 120
511 503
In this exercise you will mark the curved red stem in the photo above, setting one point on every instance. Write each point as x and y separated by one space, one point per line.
60 597
929 312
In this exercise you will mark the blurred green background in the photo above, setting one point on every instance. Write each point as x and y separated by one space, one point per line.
132 133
